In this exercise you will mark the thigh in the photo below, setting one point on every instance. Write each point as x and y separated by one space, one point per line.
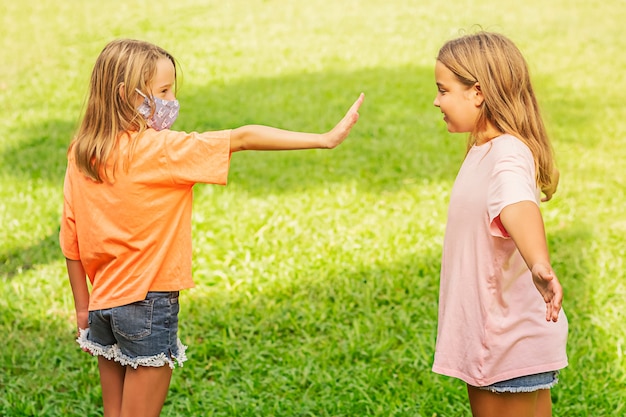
145 391
112 383
544 404
490 404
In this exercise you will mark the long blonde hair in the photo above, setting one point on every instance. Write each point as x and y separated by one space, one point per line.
123 66
497 65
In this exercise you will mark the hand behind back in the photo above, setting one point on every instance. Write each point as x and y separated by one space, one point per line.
550 289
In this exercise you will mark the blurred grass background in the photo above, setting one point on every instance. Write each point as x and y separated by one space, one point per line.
316 271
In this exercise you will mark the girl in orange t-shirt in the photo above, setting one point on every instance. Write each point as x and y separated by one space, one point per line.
126 223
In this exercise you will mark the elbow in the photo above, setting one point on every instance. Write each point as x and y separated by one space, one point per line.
238 140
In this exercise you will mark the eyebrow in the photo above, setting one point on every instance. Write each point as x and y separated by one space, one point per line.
168 85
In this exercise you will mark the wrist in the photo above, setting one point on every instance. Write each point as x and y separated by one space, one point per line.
538 266
324 141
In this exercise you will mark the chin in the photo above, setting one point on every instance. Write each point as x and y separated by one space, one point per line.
453 129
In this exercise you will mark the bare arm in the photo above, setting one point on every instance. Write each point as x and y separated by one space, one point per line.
256 137
78 282
524 224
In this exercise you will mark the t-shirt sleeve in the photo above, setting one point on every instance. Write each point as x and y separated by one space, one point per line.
199 157
512 181
67 236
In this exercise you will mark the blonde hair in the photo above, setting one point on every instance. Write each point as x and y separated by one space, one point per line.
497 65
123 66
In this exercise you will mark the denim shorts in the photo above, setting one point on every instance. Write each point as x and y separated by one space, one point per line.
527 383
144 333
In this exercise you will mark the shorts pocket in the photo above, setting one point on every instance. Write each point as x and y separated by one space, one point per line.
133 321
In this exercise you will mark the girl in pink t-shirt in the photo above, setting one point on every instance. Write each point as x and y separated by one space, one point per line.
126 221
501 328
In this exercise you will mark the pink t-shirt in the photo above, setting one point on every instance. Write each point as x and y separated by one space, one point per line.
133 234
492 324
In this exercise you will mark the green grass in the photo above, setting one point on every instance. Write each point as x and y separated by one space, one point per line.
316 271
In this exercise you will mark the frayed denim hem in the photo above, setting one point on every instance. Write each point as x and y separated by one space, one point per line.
514 390
524 384
113 352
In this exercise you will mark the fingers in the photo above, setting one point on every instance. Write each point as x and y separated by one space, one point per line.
550 288
556 302
345 125
353 113
548 311
339 133
552 311
553 297
357 104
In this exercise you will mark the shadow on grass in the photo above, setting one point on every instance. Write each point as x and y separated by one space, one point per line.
363 335
39 158
398 138
399 135
39 153
595 375
354 341
351 340
20 259
36 350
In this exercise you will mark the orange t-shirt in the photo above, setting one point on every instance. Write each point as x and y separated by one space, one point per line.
133 234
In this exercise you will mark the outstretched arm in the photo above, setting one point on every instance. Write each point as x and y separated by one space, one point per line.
524 224
265 138
78 282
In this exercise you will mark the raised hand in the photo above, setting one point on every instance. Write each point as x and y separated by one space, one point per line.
341 131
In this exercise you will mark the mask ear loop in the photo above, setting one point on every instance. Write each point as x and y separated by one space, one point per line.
140 93
147 102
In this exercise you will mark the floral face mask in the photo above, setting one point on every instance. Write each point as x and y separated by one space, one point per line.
164 115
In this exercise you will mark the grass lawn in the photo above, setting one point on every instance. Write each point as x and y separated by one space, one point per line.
316 271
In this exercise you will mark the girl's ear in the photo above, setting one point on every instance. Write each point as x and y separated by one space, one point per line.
122 91
477 95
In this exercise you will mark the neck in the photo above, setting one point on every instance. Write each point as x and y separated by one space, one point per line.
490 132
